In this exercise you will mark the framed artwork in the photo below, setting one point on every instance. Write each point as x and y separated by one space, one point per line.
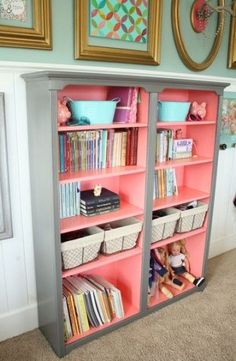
232 41
5 207
193 23
25 24
127 31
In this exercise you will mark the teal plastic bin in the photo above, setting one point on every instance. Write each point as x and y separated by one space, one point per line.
173 111
92 111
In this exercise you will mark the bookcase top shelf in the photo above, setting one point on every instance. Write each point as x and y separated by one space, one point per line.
85 175
79 222
203 122
101 126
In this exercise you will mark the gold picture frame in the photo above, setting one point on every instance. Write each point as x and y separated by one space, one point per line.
232 41
181 48
86 51
36 37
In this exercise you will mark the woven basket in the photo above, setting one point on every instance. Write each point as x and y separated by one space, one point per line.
191 219
82 249
164 227
123 235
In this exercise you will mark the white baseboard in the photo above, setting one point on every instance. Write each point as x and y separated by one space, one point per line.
19 321
222 245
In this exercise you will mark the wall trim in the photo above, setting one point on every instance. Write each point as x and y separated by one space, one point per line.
222 245
29 67
18 321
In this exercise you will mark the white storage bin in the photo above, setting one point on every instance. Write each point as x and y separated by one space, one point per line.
83 249
191 219
121 235
164 226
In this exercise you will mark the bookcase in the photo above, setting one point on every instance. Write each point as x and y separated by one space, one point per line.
127 270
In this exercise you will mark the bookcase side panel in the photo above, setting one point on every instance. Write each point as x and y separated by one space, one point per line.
45 230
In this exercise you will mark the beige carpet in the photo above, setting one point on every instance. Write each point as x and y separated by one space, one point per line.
201 327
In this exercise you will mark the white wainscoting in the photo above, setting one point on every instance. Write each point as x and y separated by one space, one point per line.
18 303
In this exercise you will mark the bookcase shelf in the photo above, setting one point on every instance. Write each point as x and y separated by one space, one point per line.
101 126
86 175
183 162
102 261
127 271
78 222
185 195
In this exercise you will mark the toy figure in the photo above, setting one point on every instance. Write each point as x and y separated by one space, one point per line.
63 113
156 277
179 263
161 256
97 190
197 111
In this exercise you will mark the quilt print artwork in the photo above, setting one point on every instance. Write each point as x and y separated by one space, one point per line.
13 10
229 116
125 20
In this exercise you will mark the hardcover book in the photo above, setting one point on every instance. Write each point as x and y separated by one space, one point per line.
88 198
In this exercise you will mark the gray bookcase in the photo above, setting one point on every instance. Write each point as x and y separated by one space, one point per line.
42 95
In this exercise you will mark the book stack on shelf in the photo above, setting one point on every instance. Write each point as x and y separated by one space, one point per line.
165 184
89 301
92 204
69 199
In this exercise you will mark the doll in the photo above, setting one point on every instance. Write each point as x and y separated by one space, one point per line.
156 277
179 263
161 255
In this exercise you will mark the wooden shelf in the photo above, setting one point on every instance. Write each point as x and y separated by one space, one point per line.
130 310
200 123
177 237
78 222
183 162
85 175
159 298
185 195
102 261
101 126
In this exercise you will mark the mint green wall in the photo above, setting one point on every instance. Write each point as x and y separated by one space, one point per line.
63 45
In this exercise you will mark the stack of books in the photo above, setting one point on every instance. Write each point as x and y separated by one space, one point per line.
89 301
91 205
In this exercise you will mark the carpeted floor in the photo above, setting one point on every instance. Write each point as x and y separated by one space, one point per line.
201 327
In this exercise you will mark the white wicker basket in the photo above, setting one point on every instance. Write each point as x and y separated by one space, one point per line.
83 249
164 227
122 235
193 218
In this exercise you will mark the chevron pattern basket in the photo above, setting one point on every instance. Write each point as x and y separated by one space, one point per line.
164 227
191 219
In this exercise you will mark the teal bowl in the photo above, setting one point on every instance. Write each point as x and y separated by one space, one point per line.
173 111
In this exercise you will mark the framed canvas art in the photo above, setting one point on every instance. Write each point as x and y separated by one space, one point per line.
25 24
127 31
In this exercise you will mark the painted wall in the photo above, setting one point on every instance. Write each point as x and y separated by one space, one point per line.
63 44
18 307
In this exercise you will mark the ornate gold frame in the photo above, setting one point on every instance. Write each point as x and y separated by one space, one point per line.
91 52
188 61
37 37
232 42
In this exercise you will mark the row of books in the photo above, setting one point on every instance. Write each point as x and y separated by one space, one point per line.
168 148
165 184
89 301
69 199
97 149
